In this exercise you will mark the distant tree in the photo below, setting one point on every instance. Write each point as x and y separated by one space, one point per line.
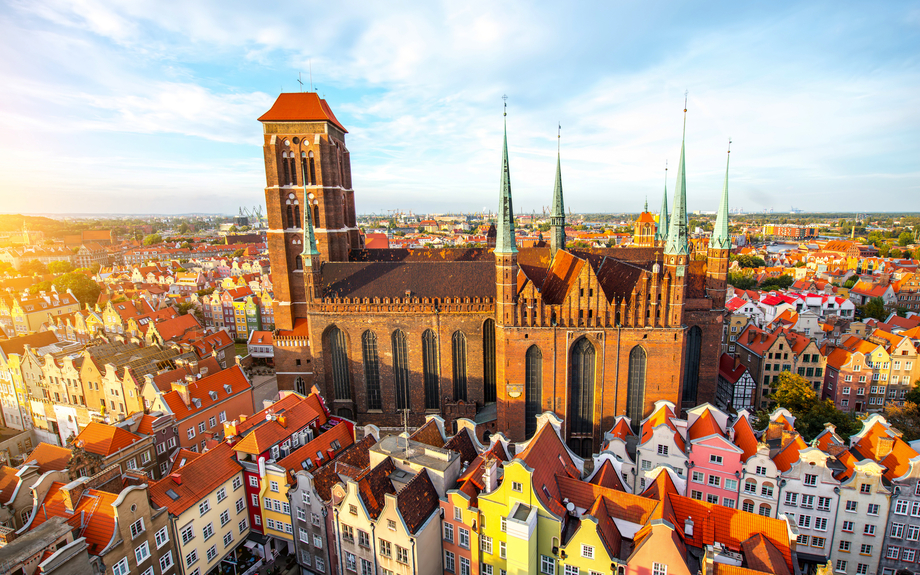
905 418
186 245
913 395
238 253
152 239
32 267
61 267
40 287
781 282
794 392
742 281
917 254
895 253
185 307
747 261
850 282
204 292
183 228
875 308
905 239
883 250
84 289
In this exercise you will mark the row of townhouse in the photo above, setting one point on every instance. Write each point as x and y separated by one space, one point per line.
26 314
854 506
238 310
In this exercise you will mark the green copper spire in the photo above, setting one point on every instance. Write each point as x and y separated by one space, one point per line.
645 209
557 217
720 239
309 238
677 233
504 238
661 232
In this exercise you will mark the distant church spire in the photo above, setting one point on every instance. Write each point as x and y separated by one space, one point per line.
557 216
661 232
309 237
677 233
720 239
504 241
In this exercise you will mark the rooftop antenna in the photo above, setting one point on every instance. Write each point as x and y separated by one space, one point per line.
299 81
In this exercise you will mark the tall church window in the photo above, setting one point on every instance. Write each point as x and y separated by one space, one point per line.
315 216
290 217
300 386
371 369
488 361
303 168
339 353
459 349
692 372
430 368
297 221
401 369
284 165
533 389
293 169
298 262
635 386
581 387
312 170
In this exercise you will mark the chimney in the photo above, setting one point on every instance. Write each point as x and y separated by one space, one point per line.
181 387
688 527
763 337
737 362
282 421
72 492
788 437
884 447
774 431
243 417
176 477
751 336
490 475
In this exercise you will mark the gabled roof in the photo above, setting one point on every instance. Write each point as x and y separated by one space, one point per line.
49 457
728 370
789 454
93 516
462 443
549 459
417 500
562 275
744 437
280 427
201 392
374 484
606 526
8 483
170 329
196 480
660 487
704 426
182 458
762 555
620 504
661 416
607 476
324 447
349 463
103 439
621 428
429 434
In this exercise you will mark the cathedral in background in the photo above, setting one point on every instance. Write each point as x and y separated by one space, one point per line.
497 334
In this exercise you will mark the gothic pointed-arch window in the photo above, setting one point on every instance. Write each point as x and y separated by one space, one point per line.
293 169
371 369
430 368
300 386
303 168
488 361
339 353
315 216
298 262
458 341
401 369
581 387
312 170
692 372
635 385
290 217
533 389
297 221
284 164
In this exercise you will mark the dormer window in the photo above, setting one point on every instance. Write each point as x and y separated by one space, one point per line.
213 395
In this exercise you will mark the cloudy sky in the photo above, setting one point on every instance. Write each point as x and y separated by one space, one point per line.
138 107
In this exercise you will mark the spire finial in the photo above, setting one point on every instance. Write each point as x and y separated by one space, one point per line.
559 139
646 203
720 239
686 93
505 99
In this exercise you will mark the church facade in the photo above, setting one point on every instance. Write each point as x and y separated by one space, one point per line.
498 334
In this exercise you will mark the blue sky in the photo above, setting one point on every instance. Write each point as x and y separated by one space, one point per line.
135 106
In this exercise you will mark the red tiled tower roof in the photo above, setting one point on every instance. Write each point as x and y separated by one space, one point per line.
301 107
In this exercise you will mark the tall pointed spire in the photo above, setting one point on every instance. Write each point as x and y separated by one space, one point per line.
309 237
661 233
677 233
557 216
720 239
645 209
504 240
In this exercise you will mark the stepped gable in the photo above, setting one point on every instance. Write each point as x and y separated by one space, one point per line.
607 476
462 443
730 527
349 463
417 501
49 457
547 456
421 279
762 555
93 516
195 479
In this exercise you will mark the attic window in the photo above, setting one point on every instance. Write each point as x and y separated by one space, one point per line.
336 445
212 394
307 464
227 387
172 494
197 402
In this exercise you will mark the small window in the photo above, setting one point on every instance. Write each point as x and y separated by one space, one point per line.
517 486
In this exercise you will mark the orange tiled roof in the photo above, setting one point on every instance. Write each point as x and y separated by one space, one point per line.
195 480
661 416
321 449
606 527
105 440
607 476
620 505
8 483
662 485
462 443
279 428
704 426
182 458
429 434
93 516
622 429
49 457
300 107
745 438
547 456
201 390
350 463
374 484
789 454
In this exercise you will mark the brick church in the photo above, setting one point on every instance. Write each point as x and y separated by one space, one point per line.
497 334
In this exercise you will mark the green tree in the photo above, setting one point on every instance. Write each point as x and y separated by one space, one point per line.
794 392
183 229
883 250
747 261
905 418
33 267
40 287
781 282
742 281
905 239
895 253
84 289
238 253
185 307
875 308
850 282
60 267
152 239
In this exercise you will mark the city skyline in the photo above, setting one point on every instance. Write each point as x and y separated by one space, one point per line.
143 108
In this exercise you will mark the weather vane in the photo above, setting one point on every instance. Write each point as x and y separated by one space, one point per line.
505 99
559 138
729 144
686 92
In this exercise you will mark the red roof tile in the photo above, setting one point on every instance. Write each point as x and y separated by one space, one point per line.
49 457
547 456
620 504
202 390
196 479
607 476
280 427
350 463
8 483
93 517
661 416
745 438
704 426
429 434
417 500
103 439
318 451
182 458
789 454
300 107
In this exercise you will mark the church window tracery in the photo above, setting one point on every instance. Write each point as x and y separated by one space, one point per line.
430 368
371 369
533 389
401 369
488 361
459 357
339 353
635 385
